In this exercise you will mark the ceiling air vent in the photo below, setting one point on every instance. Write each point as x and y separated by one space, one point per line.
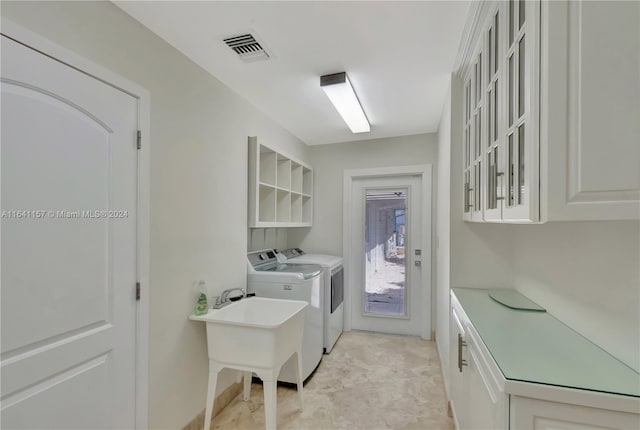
247 47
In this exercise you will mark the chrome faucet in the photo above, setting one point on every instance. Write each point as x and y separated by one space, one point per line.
224 299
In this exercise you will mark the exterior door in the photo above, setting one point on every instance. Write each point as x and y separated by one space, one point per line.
386 294
69 180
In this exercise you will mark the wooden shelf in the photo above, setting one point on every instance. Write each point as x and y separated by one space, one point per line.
280 189
267 203
296 207
267 166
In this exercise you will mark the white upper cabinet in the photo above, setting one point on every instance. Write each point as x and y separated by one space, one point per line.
551 112
280 189
473 140
590 123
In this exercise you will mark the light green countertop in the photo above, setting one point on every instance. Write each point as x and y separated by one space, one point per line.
536 347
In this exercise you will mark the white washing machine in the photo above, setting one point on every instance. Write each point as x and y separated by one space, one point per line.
333 289
266 277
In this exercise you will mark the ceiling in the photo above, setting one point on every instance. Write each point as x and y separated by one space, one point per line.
398 56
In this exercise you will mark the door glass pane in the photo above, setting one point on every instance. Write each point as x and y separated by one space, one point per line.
490 54
385 238
521 14
475 187
511 20
478 187
489 192
521 164
495 112
479 126
510 172
495 178
521 70
466 145
489 116
510 87
480 89
474 141
496 55
469 101
477 86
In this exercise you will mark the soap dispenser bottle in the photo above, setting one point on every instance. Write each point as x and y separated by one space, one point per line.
202 306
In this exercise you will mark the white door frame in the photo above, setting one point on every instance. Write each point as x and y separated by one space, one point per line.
422 170
59 53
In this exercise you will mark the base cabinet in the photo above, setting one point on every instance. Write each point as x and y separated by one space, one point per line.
535 414
457 390
477 401
482 398
486 403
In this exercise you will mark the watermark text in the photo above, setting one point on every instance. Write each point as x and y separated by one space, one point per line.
64 214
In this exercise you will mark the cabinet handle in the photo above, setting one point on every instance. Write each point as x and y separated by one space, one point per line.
498 174
461 343
466 196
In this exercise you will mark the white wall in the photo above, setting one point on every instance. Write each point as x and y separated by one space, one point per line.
443 232
266 238
329 163
199 152
587 274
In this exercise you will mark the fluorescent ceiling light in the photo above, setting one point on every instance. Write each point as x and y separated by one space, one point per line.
344 99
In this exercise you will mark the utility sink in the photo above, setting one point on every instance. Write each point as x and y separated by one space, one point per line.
254 332
258 335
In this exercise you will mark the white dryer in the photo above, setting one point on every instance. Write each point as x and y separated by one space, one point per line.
266 277
333 289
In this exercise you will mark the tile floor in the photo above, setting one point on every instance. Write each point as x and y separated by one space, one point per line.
369 381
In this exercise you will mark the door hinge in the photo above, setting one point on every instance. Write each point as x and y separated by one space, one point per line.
137 290
139 139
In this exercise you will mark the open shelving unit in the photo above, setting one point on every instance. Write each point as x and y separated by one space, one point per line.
280 189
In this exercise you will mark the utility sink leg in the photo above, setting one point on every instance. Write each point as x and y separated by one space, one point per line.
211 395
299 378
247 385
270 411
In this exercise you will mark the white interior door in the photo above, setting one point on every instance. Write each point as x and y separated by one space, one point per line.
386 230
69 181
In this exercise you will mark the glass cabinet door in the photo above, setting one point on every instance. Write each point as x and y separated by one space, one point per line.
500 116
521 169
494 46
467 157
